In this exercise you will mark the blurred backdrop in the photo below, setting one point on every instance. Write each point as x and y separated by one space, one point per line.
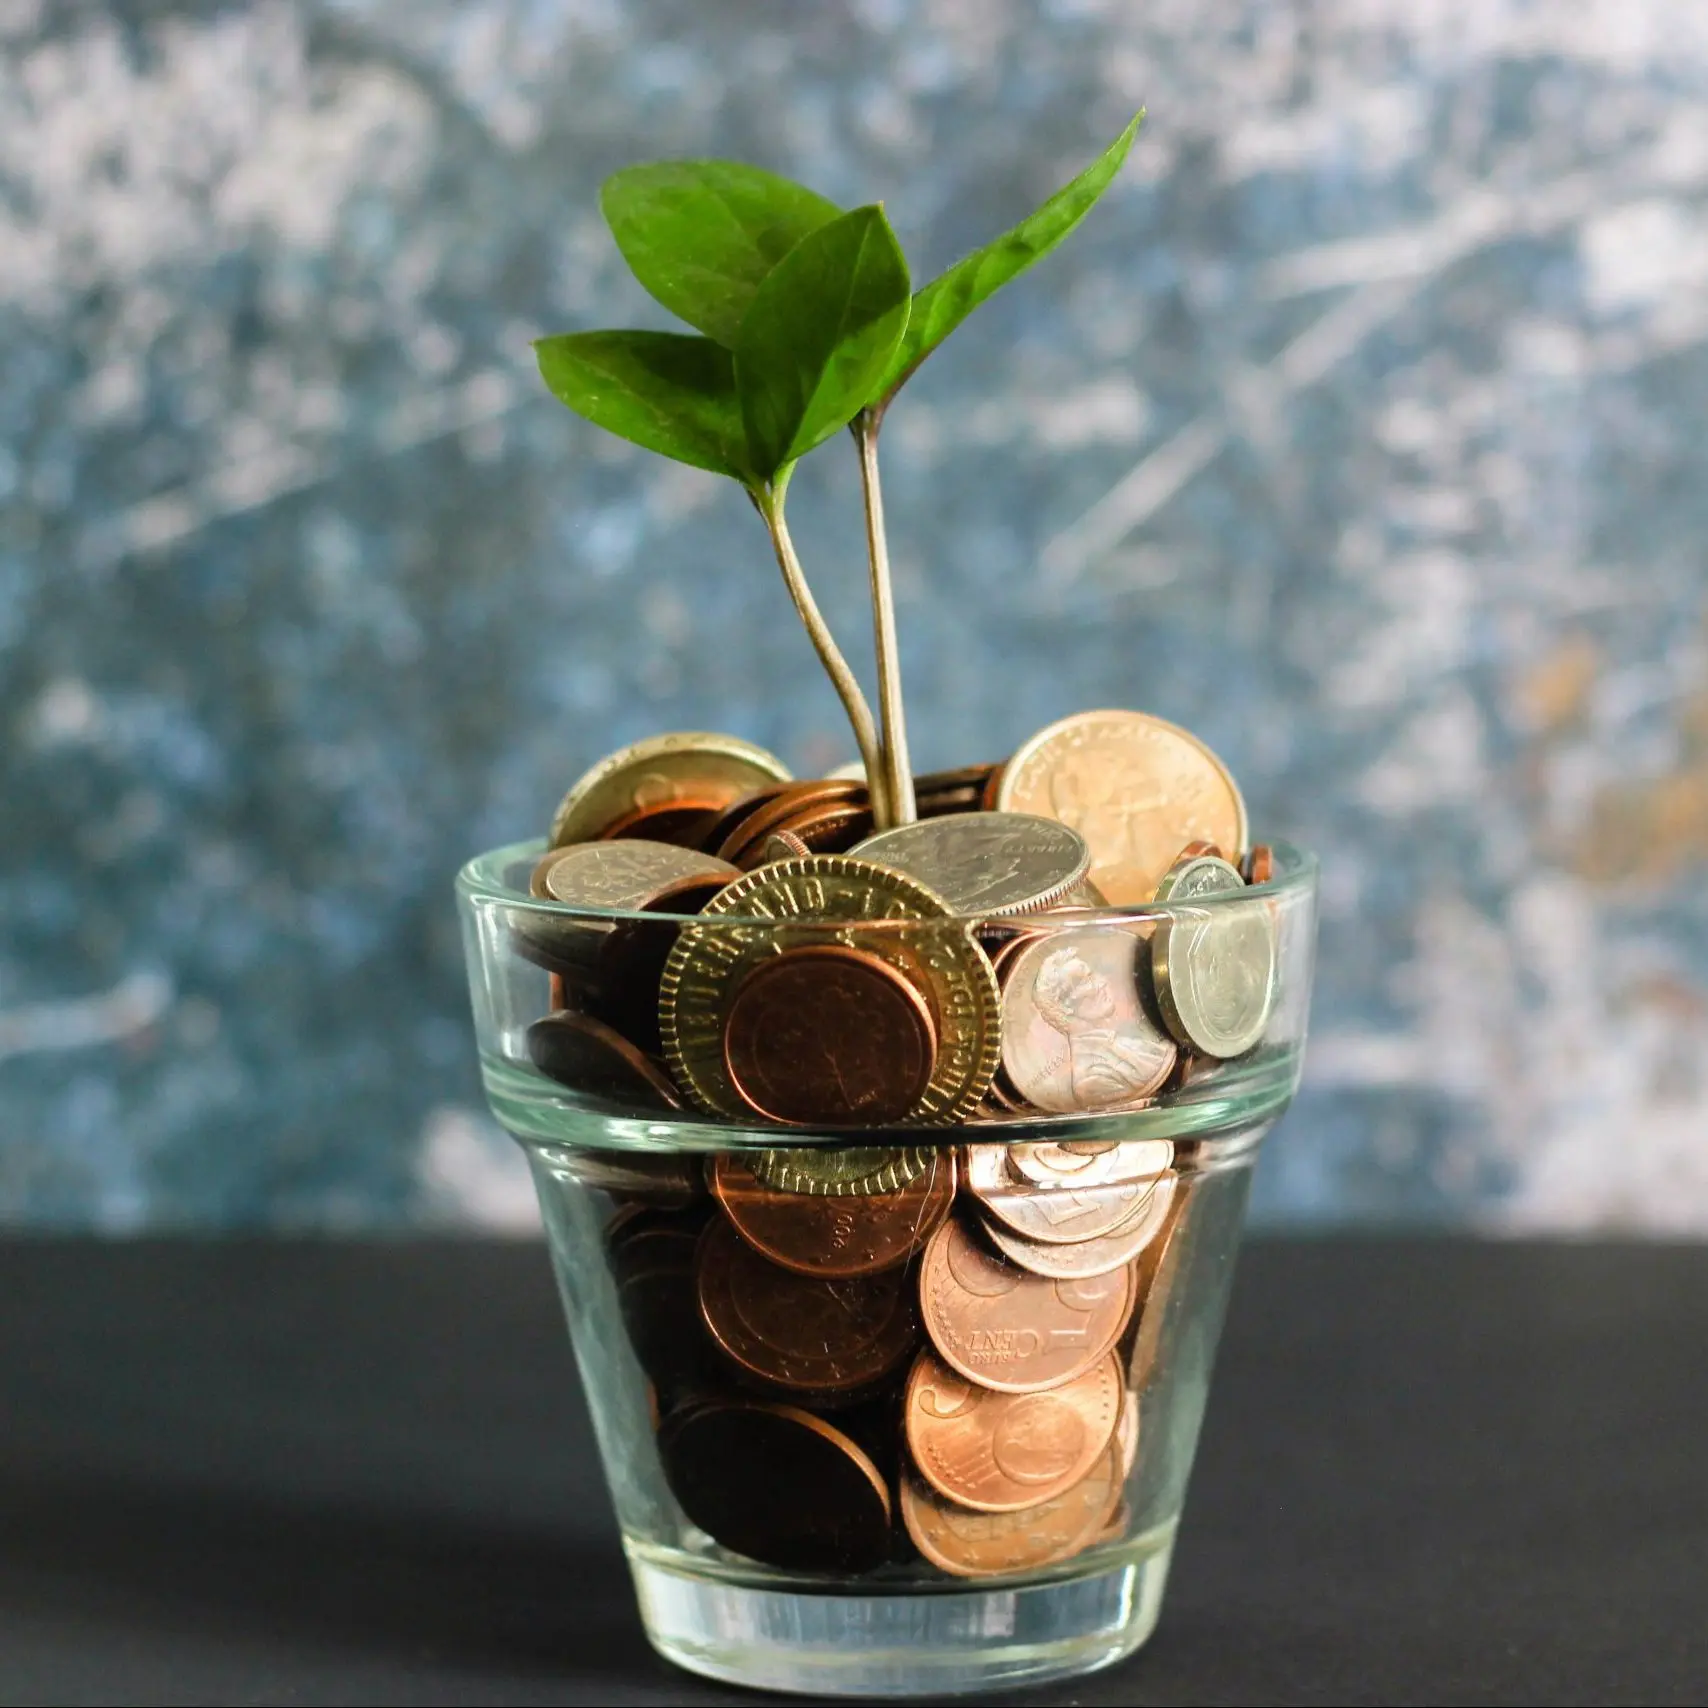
1360 429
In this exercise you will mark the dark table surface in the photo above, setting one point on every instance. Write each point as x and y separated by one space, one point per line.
299 1472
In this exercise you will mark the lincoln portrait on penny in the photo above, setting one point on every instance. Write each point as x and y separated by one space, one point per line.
1078 1002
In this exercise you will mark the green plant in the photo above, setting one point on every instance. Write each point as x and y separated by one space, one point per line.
806 322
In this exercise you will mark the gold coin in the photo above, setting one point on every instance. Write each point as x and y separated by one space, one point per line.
693 766
841 1173
1214 973
1136 788
827 898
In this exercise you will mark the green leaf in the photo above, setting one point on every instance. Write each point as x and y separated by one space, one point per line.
700 235
952 296
670 392
819 336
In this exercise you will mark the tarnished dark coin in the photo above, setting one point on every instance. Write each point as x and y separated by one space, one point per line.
636 1178
1002 1327
834 1236
826 1035
713 836
631 960
652 1254
783 845
1007 1452
957 791
970 1544
683 823
1258 867
830 1338
578 1051
777 1485
685 768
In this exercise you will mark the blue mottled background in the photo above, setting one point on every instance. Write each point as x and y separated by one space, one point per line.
1360 429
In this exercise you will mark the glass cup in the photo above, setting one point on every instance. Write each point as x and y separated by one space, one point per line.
909 1409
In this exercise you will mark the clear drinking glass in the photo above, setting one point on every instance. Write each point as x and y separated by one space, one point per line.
767 1413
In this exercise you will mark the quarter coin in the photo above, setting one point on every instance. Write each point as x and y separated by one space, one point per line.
697 768
831 898
1075 1035
985 863
829 1036
1007 1452
1214 971
971 1544
834 1236
777 1485
1004 1328
832 1338
1135 787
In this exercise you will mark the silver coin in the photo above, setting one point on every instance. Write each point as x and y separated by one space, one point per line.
1214 973
1087 1257
1074 1034
986 862
620 877
1086 1162
1064 1214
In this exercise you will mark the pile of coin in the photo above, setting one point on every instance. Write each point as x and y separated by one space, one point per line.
782 961
877 1356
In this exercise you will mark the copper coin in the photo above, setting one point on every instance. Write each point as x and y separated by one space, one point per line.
1068 1212
784 845
983 1544
830 1338
778 808
681 823
578 1051
713 835
631 961
829 1036
1258 867
1198 850
1005 1328
1075 1034
990 797
1088 1257
651 1254
835 1236
1082 1162
777 1485
830 827
1157 1271
635 1178
1006 1452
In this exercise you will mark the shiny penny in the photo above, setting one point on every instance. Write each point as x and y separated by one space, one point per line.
1087 1162
826 1035
1066 1212
1135 787
1075 1035
1094 1256
827 1338
834 1236
985 1544
985 863
689 767
1259 865
829 899
1007 1329
1214 971
777 1485
586 1054
1007 1452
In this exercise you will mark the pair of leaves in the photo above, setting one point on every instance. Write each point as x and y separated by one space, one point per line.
805 311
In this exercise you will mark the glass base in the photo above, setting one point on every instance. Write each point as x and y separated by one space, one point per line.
922 1644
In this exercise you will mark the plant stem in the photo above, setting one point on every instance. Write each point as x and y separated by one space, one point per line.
769 502
898 771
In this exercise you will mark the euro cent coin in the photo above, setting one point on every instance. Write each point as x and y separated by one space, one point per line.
1007 1452
1135 787
1007 1329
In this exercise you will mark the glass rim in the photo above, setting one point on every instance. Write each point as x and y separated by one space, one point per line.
483 880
